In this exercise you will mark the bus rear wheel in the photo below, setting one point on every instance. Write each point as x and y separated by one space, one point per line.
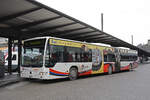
109 70
73 73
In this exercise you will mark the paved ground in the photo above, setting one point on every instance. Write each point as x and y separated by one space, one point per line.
9 79
133 85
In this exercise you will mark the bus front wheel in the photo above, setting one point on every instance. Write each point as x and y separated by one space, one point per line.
73 73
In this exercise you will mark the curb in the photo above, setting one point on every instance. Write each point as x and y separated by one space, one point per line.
9 81
2 84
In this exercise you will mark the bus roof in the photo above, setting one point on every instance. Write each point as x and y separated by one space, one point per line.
46 37
96 44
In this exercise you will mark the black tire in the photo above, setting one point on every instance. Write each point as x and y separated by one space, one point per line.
73 73
109 70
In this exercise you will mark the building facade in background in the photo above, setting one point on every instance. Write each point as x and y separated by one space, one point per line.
3 43
145 46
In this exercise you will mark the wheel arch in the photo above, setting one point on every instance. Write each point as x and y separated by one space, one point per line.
74 67
71 76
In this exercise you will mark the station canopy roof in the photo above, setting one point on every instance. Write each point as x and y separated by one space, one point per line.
28 18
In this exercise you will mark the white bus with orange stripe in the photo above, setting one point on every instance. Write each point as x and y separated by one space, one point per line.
53 58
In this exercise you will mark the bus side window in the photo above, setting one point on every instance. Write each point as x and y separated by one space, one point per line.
109 58
57 53
70 57
54 54
105 58
90 55
73 54
113 58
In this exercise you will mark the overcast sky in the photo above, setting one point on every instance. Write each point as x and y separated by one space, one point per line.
122 18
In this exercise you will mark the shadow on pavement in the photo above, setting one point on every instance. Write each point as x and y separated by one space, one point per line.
67 79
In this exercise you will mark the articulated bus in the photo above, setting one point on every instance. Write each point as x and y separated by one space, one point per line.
54 58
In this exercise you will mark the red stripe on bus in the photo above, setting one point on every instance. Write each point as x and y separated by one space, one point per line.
125 68
57 72
106 67
85 73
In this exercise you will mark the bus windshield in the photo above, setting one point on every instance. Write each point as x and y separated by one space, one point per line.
33 53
